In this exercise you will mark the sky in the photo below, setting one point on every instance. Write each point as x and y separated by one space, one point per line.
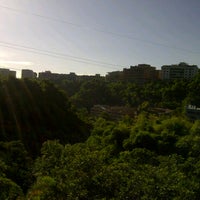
97 36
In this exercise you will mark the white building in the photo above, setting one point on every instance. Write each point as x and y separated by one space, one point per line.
180 71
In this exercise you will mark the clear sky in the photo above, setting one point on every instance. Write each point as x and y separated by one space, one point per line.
97 36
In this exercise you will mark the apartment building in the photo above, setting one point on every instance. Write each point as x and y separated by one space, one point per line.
179 71
139 74
6 72
27 73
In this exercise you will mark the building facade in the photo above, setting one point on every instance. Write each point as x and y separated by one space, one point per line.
115 76
193 112
27 73
48 75
180 71
6 72
139 74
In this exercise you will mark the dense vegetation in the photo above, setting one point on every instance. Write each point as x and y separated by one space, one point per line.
34 111
148 157
167 94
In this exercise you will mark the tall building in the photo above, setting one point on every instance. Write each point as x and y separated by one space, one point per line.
6 72
70 77
27 73
115 76
89 77
180 71
139 74
48 75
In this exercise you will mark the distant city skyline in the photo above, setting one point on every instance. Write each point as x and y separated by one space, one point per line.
140 74
98 36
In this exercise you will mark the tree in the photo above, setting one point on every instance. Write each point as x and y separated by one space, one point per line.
16 163
35 111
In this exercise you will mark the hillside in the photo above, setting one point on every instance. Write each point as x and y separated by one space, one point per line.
34 111
47 150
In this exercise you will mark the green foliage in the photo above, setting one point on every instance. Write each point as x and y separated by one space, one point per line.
10 190
175 125
193 94
149 157
44 189
154 94
91 93
141 140
35 111
195 129
16 164
167 94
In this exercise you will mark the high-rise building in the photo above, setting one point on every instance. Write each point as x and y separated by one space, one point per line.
27 73
6 72
139 74
48 75
115 76
180 71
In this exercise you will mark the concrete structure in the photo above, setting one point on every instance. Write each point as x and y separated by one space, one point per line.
71 76
27 73
180 71
89 77
113 112
6 72
115 76
55 76
141 73
48 75
138 74
193 112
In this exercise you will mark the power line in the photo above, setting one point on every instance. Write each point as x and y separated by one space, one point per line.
58 55
99 30
40 16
